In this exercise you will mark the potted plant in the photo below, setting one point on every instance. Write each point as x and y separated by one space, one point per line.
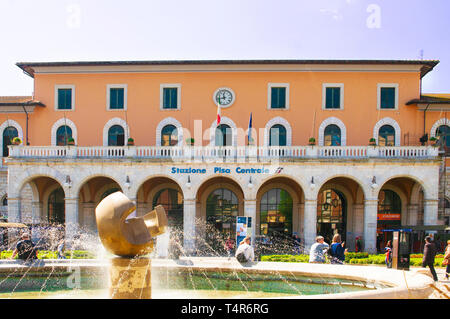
190 141
312 141
372 141
434 141
251 142
16 141
130 141
70 141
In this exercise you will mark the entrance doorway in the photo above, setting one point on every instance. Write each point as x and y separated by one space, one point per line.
331 214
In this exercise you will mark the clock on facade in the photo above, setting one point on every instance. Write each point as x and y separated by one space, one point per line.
224 96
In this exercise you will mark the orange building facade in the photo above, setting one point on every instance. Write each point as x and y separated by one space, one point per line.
335 146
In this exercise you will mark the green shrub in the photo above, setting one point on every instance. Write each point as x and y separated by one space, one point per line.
48 254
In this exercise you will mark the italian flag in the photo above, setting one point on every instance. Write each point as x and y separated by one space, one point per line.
218 113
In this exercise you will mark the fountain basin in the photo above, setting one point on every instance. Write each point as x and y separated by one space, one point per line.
204 273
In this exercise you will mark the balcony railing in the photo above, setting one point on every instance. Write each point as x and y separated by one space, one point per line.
226 153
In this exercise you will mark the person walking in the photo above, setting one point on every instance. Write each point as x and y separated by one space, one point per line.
245 252
388 259
358 244
429 253
25 249
337 250
61 249
446 261
316 254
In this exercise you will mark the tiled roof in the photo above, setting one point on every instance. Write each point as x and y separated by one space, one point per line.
18 101
28 67
431 99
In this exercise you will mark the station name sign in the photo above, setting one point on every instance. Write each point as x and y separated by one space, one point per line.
223 170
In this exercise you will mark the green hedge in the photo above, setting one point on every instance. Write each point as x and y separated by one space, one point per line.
354 258
48 254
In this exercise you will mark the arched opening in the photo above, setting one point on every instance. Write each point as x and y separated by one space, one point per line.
116 136
332 135
443 133
223 135
386 136
169 135
276 210
389 215
172 201
9 134
63 133
222 208
56 207
277 135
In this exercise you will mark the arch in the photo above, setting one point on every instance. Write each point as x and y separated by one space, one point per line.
141 183
9 123
111 123
165 122
414 178
403 200
338 123
230 123
281 121
350 177
32 173
391 122
80 184
442 121
61 122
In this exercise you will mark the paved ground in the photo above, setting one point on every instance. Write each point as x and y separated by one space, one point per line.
442 290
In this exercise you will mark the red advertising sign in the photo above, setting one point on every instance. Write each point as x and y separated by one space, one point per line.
388 216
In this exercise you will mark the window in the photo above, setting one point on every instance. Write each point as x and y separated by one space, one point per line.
172 201
116 136
56 209
277 135
64 97
222 207
386 136
332 96
278 96
223 135
169 135
63 133
8 134
443 134
276 212
332 135
388 96
170 96
117 97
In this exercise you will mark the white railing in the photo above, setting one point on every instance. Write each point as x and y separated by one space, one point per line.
227 153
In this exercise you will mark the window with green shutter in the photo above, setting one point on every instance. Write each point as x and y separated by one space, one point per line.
333 98
170 96
387 98
278 98
116 98
64 99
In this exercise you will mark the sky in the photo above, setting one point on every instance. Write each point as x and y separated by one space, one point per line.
113 30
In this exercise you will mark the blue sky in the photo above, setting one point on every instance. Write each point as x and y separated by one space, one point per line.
71 30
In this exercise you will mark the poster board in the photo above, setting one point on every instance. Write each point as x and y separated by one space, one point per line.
243 228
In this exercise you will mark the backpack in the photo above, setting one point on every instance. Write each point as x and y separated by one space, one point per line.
241 257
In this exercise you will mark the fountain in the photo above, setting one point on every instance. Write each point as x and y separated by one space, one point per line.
129 239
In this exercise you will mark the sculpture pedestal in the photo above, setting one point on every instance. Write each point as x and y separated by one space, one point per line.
130 278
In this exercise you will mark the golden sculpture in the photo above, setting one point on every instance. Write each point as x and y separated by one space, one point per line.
128 238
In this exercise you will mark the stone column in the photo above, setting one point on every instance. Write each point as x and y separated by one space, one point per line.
189 225
358 224
430 211
14 216
36 219
310 223
413 214
72 224
370 225
250 211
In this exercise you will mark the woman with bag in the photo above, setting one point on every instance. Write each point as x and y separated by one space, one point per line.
446 261
337 251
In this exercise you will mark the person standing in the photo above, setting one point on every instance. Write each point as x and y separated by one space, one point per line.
316 254
25 249
337 250
446 260
297 244
229 246
245 252
358 244
429 252
388 259
61 249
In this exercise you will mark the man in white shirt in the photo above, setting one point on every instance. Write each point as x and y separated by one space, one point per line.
246 249
316 254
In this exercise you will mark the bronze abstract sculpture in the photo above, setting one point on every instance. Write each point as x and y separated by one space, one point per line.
130 239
